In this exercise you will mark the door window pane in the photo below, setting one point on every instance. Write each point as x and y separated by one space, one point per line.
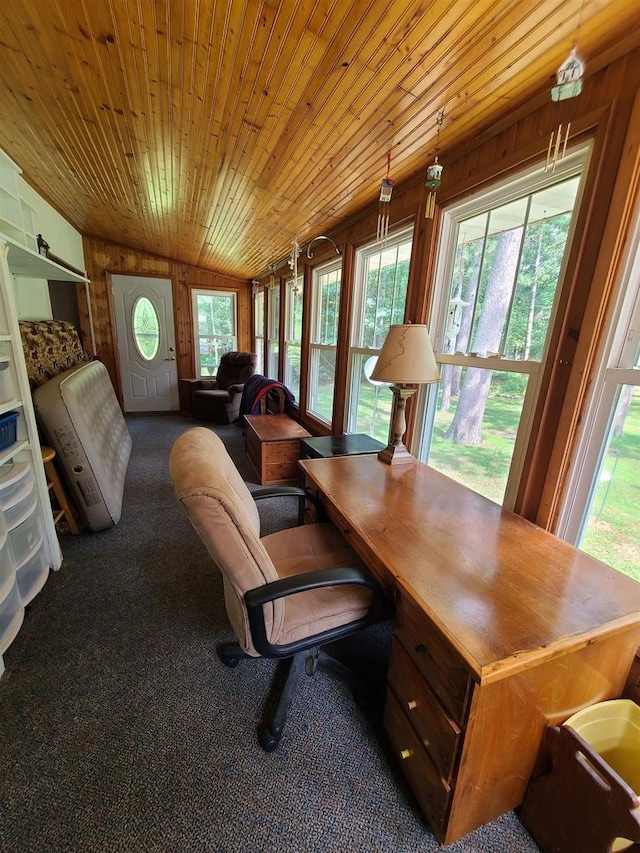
146 328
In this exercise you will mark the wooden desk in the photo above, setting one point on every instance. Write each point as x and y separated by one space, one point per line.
501 629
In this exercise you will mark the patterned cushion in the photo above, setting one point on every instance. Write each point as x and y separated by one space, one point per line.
50 347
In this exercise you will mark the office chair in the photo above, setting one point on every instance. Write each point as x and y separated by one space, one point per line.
286 594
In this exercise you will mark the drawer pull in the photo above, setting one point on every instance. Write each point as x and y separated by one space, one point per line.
412 704
405 753
426 742
420 648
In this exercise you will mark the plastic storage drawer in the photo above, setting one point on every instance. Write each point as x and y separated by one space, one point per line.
25 506
16 479
32 574
11 616
25 538
7 571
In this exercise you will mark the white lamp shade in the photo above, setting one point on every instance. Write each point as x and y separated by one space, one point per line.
407 357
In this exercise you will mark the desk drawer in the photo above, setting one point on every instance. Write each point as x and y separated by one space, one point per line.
430 789
439 663
438 732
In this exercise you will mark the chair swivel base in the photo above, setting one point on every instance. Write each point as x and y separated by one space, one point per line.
306 662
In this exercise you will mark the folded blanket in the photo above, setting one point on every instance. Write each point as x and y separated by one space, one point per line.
255 389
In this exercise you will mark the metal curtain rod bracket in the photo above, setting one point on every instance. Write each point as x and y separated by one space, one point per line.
321 237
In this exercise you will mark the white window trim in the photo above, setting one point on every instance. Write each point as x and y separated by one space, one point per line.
204 291
527 181
362 254
323 269
620 345
289 340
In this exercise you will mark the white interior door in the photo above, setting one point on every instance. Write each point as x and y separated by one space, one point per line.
146 343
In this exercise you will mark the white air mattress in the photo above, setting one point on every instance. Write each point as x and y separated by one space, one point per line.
80 416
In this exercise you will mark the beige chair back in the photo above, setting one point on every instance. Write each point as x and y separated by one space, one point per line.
222 511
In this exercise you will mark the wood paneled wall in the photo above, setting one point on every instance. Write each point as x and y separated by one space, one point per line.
103 259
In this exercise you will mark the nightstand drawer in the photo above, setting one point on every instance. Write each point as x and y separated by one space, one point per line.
438 732
439 663
430 789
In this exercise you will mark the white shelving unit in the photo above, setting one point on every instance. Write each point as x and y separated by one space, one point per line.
30 548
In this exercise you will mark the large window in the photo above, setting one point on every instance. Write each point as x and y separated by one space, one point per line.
293 335
501 257
214 323
273 330
603 496
258 328
325 310
380 294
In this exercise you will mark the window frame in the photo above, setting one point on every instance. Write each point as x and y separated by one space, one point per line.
290 339
273 297
619 350
197 337
403 235
258 328
316 348
525 183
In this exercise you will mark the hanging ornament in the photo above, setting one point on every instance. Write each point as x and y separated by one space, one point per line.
293 258
434 176
386 189
568 85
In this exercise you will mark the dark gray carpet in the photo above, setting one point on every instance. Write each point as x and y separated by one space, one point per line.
121 731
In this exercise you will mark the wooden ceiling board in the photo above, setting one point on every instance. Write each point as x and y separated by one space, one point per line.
214 132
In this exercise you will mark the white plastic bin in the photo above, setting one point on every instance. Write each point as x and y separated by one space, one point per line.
11 616
7 570
16 480
24 506
32 574
6 381
24 538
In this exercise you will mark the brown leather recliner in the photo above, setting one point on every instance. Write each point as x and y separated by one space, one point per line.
219 399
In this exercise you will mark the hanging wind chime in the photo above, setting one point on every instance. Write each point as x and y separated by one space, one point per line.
434 176
568 85
386 189
293 260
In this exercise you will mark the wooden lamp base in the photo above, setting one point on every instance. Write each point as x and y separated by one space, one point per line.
395 453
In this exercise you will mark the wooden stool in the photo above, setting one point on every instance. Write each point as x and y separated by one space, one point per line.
55 485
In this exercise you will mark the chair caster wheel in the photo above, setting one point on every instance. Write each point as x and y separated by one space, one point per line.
230 654
268 741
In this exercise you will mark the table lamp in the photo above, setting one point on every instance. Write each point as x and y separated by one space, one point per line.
406 360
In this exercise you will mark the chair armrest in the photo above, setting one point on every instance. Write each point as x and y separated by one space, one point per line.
255 599
278 492
235 389
206 384
301 494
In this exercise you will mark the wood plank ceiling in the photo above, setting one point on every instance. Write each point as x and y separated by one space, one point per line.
214 132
